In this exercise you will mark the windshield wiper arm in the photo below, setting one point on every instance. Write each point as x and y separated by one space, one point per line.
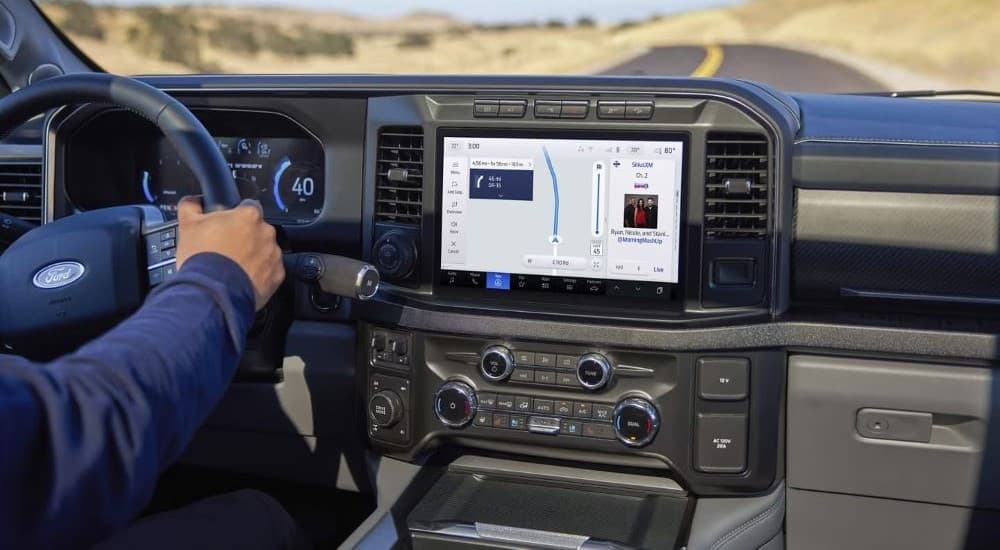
931 93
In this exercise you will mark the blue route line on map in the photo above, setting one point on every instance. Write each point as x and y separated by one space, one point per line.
555 192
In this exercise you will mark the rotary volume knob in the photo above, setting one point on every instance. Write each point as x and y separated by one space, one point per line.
496 363
636 422
455 404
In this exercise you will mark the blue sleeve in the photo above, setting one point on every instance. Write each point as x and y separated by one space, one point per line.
83 438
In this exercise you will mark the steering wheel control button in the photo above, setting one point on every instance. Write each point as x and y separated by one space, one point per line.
455 404
636 422
593 371
723 378
496 364
385 409
721 443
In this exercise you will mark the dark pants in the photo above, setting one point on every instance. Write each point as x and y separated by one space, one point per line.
247 520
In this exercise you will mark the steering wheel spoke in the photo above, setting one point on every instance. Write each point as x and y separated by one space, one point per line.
67 281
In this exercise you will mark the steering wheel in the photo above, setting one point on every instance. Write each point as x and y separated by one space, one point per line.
69 280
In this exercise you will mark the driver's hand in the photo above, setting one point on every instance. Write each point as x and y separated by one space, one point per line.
239 234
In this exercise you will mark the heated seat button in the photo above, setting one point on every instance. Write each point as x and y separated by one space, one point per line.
723 378
721 445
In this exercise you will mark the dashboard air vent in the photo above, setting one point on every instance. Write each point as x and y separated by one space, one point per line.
21 190
400 175
737 181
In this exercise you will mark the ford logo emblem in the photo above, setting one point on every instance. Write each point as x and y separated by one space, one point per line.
58 274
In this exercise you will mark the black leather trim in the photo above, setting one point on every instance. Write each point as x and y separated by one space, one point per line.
911 168
873 120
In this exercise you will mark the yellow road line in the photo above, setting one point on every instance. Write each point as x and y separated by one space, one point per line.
710 65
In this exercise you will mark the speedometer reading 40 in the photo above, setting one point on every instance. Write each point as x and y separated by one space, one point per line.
295 188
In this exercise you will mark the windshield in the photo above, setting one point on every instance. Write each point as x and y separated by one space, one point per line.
799 45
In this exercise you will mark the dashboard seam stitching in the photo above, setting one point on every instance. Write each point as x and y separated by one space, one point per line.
749 524
902 141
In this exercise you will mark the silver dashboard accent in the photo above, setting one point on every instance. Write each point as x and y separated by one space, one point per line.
543 425
466 357
518 535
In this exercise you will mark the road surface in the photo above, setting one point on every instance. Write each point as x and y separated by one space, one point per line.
782 68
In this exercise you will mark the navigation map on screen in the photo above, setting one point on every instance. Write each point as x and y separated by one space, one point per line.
568 208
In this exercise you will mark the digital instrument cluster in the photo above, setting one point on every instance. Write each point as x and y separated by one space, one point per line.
284 174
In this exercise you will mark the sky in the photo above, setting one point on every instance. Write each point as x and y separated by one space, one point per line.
479 11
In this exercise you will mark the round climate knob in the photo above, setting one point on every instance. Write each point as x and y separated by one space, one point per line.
455 404
636 422
496 363
593 371
385 409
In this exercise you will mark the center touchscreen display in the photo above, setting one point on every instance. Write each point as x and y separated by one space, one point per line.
580 215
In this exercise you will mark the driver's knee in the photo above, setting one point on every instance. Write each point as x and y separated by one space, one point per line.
246 519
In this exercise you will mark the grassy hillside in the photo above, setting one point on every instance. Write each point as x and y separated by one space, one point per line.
953 41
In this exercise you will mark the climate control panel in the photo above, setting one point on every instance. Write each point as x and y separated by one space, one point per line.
633 421
712 417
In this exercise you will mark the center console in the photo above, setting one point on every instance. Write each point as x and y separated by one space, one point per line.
532 244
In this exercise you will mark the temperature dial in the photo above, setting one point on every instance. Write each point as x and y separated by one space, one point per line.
636 422
455 404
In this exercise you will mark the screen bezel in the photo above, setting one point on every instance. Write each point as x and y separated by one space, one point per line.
674 298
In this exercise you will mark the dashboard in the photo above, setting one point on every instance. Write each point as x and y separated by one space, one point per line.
617 272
